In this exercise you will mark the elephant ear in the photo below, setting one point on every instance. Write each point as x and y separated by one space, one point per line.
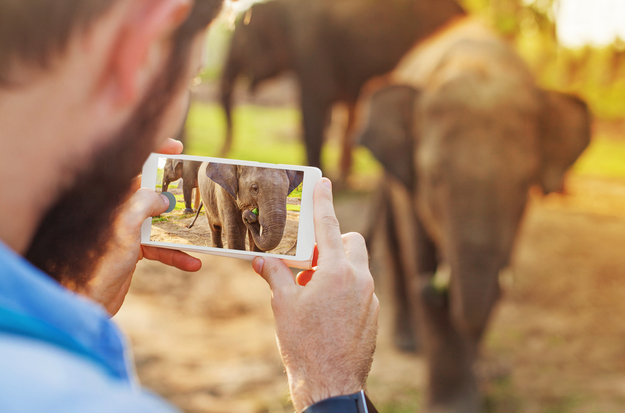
295 179
388 133
224 175
565 133
175 163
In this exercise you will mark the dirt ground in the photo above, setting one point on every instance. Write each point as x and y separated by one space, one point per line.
175 230
206 342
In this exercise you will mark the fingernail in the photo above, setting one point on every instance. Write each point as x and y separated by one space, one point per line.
166 200
327 183
258 265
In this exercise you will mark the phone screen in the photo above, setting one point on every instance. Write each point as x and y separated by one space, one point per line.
234 206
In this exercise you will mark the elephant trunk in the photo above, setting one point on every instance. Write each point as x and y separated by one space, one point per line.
272 220
165 185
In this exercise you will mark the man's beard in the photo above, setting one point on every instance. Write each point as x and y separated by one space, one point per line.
75 232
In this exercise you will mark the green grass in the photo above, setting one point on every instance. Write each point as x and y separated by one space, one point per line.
295 208
265 134
269 134
604 158
260 133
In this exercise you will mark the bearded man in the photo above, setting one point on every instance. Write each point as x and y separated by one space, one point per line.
88 88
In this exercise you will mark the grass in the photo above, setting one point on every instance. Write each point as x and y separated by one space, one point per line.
264 134
605 157
269 134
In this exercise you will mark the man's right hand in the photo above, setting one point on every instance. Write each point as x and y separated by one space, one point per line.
326 330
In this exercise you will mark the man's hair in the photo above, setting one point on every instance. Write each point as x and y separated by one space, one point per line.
75 232
34 32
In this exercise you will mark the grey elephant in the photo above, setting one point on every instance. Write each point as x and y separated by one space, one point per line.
187 170
333 47
461 143
241 200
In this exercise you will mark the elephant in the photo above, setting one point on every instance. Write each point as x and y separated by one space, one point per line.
187 170
462 132
333 47
242 200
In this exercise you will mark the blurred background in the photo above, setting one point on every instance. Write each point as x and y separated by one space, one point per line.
556 342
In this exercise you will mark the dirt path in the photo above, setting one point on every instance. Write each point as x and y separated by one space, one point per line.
174 229
556 344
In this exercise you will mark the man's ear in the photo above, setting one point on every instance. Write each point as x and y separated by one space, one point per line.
142 45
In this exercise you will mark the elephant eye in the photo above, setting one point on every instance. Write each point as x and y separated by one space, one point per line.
254 188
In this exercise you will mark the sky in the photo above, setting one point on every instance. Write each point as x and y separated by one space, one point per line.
594 22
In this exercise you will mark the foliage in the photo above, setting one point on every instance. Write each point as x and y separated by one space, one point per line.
603 158
595 74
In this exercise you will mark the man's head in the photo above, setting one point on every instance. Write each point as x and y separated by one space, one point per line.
88 88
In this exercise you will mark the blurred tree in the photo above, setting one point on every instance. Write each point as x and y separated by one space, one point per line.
596 74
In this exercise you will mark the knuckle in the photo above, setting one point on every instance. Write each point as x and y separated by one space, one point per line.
344 269
330 221
355 239
375 303
354 242
270 271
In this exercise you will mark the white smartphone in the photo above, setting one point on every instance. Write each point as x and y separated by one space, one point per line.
233 208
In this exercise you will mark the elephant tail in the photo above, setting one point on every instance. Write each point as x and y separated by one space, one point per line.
196 215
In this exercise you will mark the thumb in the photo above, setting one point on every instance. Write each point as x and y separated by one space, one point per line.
275 272
143 204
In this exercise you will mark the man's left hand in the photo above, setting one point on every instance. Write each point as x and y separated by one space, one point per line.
112 278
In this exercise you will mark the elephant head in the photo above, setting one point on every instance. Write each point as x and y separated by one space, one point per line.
260 194
468 164
258 51
171 172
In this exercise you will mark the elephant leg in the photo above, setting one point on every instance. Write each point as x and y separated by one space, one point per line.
216 236
348 143
198 199
404 335
235 233
412 253
314 113
251 244
187 192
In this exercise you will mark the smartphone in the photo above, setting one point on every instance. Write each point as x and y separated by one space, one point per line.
233 208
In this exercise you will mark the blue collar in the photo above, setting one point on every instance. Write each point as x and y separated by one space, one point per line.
33 305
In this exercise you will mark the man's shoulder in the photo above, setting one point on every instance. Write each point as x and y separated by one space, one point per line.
35 377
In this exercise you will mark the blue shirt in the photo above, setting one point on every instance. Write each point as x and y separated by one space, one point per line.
60 352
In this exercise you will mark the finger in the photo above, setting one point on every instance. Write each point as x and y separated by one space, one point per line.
275 272
304 277
143 204
173 258
327 230
356 250
171 147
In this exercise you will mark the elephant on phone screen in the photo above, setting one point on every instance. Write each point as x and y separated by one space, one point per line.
250 200
187 170
333 47
461 145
